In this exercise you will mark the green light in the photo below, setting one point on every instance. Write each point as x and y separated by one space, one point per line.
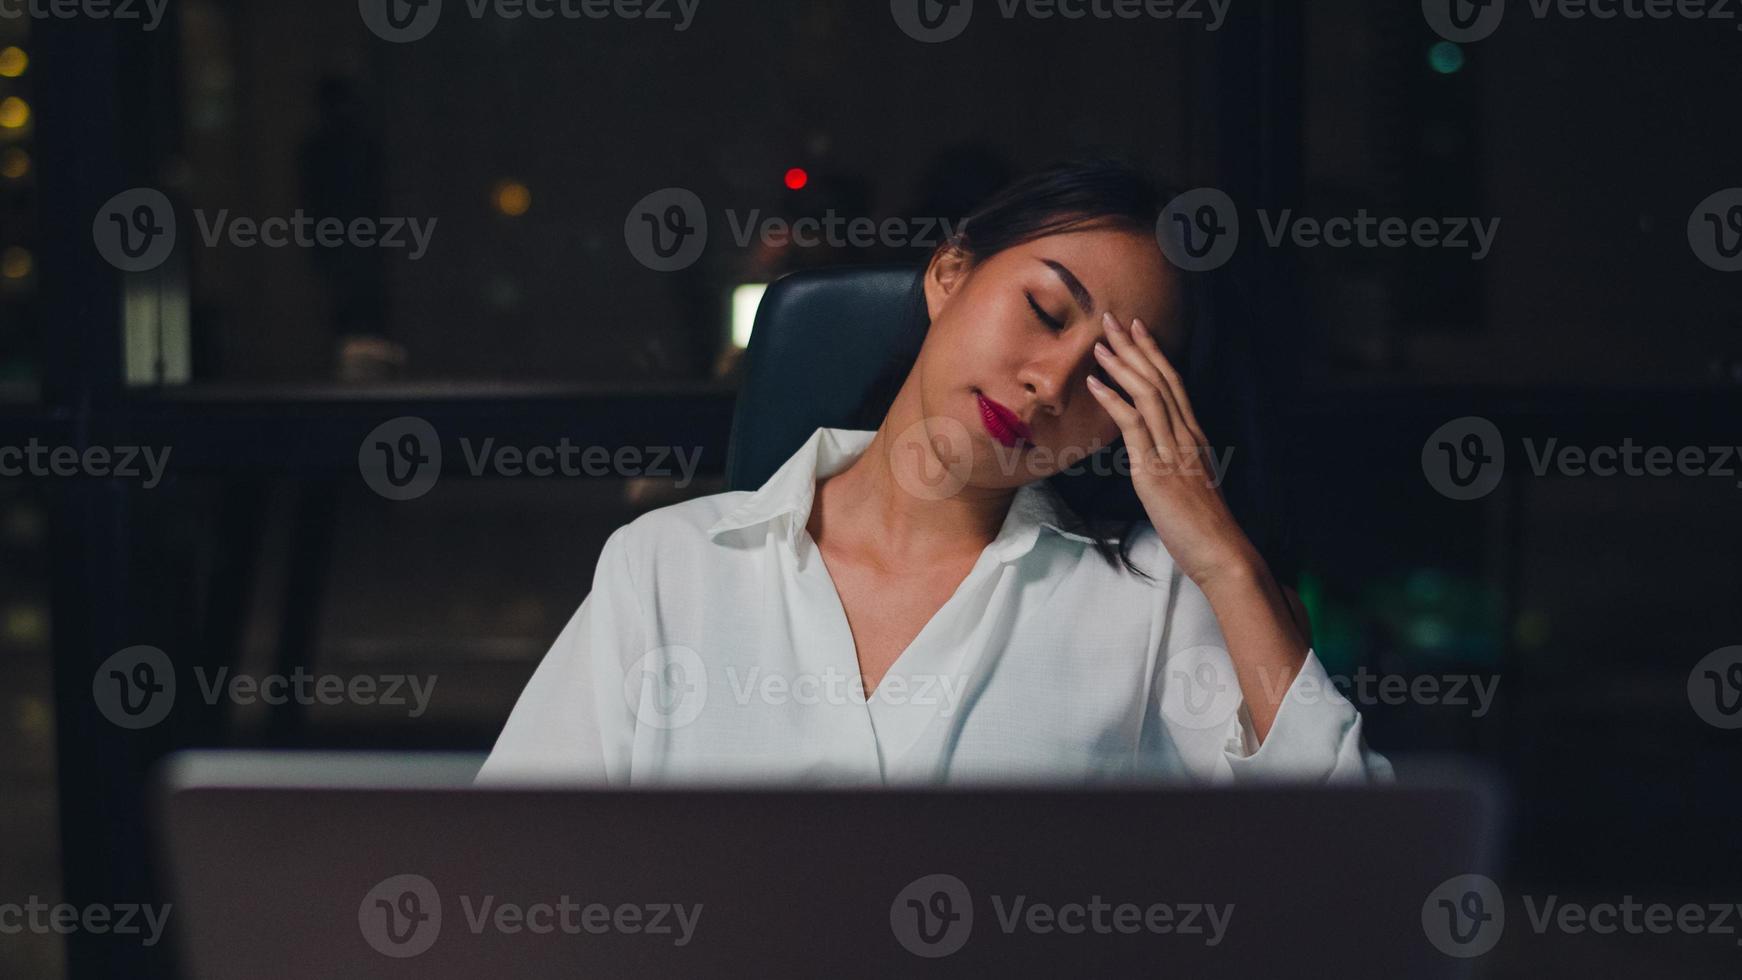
1429 633
1445 57
1426 586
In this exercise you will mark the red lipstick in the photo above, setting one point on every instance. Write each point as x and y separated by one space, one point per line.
1005 426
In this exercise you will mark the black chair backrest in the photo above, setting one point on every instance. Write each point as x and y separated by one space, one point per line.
821 342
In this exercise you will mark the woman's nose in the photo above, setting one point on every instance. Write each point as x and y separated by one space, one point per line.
1049 378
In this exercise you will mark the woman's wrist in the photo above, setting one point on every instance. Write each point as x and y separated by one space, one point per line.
1249 604
1242 571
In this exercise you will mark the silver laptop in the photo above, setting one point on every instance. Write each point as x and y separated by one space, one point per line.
301 865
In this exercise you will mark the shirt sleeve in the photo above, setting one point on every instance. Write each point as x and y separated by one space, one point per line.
1203 718
573 721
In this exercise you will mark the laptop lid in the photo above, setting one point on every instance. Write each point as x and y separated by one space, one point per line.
320 864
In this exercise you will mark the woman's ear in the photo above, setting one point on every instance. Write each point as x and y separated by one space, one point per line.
949 266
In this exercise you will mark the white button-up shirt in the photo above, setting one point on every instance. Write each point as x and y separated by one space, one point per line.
714 648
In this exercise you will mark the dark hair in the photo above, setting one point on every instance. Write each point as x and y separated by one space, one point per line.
1100 193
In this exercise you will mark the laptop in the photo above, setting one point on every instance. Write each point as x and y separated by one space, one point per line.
305 864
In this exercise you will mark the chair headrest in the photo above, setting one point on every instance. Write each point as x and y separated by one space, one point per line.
821 341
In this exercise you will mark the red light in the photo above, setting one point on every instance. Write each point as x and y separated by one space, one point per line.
796 178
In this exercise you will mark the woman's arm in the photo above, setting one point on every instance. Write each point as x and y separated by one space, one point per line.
1302 619
1209 705
1266 646
1168 451
1264 639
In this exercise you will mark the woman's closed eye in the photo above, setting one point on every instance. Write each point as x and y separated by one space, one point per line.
1053 323
1057 325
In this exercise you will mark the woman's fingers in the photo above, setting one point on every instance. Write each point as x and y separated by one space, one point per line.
1152 352
1147 411
1118 338
1176 431
1125 345
1145 393
1138 442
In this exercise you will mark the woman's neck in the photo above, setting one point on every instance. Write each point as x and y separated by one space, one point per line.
867 509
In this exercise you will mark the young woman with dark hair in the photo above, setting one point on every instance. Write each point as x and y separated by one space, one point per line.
918 602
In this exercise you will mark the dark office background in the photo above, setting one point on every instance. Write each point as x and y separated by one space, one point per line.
529 320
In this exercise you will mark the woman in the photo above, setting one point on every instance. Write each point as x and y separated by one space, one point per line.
918 604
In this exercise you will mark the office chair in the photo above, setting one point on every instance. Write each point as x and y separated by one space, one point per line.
822 341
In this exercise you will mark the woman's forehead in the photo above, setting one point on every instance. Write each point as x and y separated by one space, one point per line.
1118 269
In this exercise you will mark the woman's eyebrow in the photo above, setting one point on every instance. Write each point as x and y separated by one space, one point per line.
1075 285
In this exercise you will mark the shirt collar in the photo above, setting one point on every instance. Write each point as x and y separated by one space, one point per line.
787 496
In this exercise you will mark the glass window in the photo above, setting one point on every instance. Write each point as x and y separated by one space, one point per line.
501 167
20 341
1560 249
29 827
